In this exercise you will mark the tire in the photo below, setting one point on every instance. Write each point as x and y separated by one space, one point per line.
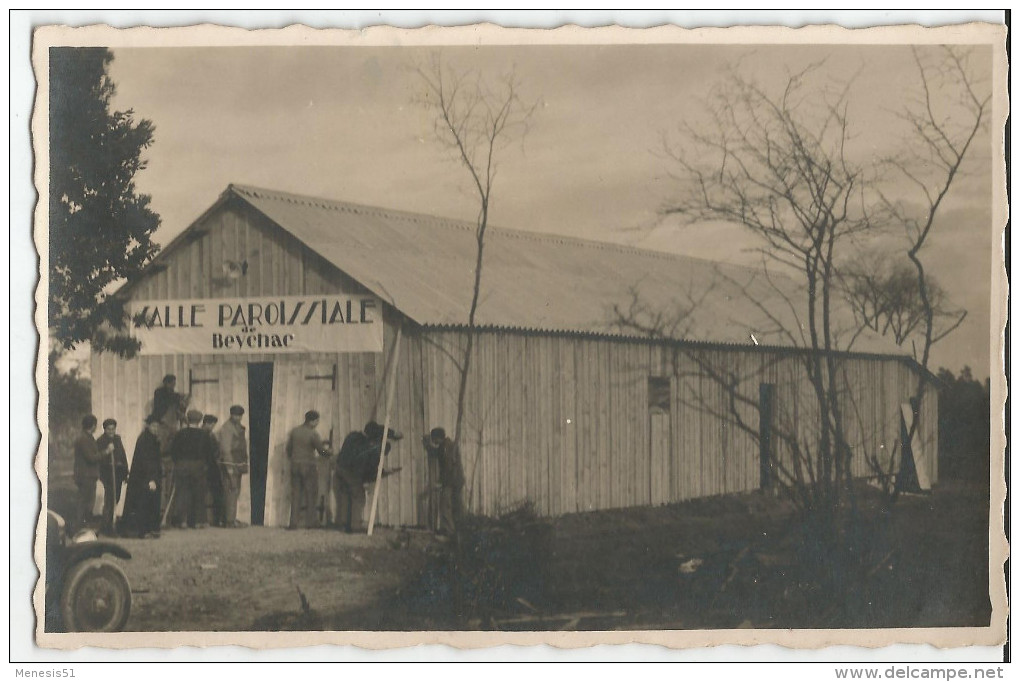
96 597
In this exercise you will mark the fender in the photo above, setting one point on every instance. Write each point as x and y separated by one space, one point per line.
92 550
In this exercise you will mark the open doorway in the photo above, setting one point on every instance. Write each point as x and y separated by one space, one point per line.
260 403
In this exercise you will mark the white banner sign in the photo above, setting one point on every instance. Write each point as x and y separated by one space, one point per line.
281 324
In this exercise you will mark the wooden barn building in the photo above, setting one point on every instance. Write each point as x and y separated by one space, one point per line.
285 303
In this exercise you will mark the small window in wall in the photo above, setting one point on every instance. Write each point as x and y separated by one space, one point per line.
659 394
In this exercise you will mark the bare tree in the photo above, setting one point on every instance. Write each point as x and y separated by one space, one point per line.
945 117
474 118
778 164
885 299
795 472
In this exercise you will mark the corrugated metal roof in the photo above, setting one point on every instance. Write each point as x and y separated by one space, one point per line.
424 266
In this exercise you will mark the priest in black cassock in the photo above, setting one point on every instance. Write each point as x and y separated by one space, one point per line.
142 506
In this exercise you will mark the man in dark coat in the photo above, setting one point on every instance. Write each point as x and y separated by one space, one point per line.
357 465
113 470
86 469
167 407
347 486
445 454
165 398
191 450
142 502
215 487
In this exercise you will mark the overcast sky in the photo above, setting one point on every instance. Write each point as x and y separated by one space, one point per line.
342 123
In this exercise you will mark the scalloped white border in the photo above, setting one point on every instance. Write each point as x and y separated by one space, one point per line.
490 34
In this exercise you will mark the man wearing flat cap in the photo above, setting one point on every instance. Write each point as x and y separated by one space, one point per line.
214 487
87 460
191 450
446 456
233 463
304 447
357 466
113 471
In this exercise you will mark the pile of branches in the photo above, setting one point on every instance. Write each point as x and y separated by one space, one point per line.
494 568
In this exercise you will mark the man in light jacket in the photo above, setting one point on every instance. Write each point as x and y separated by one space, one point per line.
304 446
233 456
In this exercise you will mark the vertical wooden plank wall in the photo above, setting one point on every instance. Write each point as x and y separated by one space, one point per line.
573 429
554 422
403 497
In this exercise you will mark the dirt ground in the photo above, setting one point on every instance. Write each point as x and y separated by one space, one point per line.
216 579
716 563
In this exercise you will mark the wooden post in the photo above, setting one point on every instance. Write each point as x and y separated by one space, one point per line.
114 487
386 430
169 504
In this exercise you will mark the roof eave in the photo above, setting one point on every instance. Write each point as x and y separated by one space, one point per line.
679 342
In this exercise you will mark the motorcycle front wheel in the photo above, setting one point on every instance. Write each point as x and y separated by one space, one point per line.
96 597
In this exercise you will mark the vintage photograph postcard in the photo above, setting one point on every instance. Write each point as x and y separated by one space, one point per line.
481 336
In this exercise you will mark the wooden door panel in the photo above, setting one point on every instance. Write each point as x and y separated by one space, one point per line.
298 386
660 439
214 388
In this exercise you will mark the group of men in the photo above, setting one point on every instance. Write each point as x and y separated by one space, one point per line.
101 459
208 464
357 465
203 465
